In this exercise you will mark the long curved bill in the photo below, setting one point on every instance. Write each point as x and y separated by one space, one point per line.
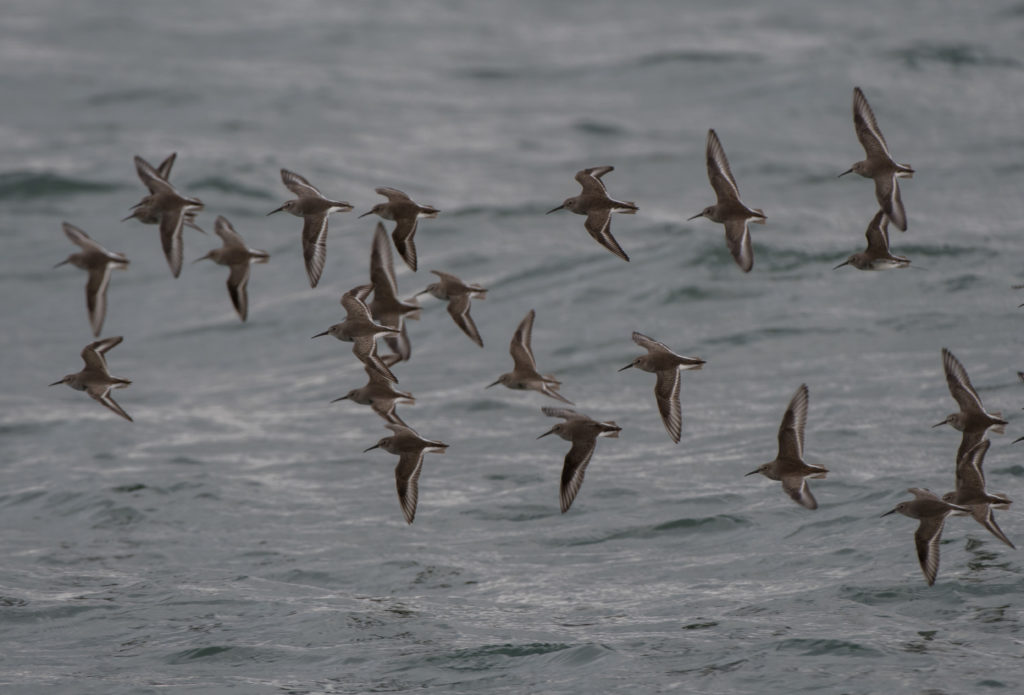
560 207
364 215
341 399
841 265
888 513
494 384
320 334
756 470
550 431
626 367
939 424
848 171
699 214
375 446
273 211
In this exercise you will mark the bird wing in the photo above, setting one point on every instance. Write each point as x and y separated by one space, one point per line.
791 431
164 170
864 123
574 467
719 173
171 222
101 393
960 386
797 488
227 233
299 185
393 195
599 225
522 354
96 296
402 235
407 478
983 514
382 264
238 280
926 538
314 245
564 413
93 353
970 480
666 393
354 306
878 239
150 177
887 192
458 308
590 179
81 239
365 348
737 238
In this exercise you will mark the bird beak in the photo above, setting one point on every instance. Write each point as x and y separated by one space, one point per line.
626 367
756 470
364 215
550 431
1018 439
273 211
125 219
841 265
848 171
341 399
939 424
202 258
560 207
699 214
320 334
494 384
66 260
421 292
57 382
888 513
371 448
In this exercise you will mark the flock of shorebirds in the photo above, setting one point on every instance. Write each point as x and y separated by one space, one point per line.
383 316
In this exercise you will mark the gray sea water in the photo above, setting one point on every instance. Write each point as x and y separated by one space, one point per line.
235 539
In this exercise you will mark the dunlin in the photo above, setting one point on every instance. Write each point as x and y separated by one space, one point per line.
458 295
95 378
971 493
405 213
593 201
583 433
237 256
311 205
98 262
144 210
524 373
380 394
973 420
932 513
876 256
385 306
410 448
667 365
878 164
789 466
729 210
361 330
169 207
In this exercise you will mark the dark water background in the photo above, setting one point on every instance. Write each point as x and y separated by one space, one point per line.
235 539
